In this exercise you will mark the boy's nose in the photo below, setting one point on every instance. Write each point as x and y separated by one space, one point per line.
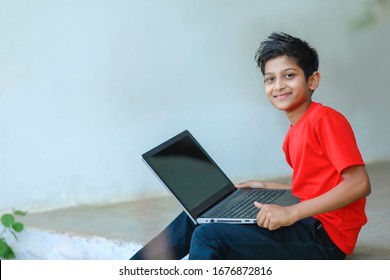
278 85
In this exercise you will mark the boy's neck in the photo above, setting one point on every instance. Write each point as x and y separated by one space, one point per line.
295 115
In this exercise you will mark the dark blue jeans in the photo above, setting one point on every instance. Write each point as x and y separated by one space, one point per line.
304 240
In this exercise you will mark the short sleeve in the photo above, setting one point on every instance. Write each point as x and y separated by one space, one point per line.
338 141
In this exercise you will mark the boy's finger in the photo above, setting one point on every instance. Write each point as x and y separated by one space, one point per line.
258 204
242 185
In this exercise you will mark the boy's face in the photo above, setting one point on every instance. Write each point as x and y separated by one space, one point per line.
286 86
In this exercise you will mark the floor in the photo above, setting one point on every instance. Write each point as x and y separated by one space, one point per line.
129 225
374 238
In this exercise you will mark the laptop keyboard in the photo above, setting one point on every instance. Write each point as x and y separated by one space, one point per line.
244 207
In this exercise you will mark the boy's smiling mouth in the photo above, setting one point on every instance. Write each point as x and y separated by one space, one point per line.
282 95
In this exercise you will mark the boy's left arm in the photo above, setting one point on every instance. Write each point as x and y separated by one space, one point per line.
355 185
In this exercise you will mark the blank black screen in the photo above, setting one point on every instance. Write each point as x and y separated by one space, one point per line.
188 172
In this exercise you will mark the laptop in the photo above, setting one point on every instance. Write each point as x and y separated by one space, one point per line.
206 194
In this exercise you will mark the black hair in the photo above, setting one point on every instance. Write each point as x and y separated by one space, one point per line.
279 43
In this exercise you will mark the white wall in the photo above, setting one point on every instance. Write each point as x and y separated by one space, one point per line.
87 86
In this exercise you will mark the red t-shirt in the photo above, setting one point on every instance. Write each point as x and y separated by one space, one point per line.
318 148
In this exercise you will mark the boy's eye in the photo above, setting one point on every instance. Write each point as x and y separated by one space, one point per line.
289 75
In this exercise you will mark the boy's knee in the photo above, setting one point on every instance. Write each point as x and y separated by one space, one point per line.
206 233
200 233
205 243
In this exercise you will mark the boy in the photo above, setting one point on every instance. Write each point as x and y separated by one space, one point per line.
329 177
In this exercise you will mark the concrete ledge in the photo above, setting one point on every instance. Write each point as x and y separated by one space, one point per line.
116 232
38 244
100 232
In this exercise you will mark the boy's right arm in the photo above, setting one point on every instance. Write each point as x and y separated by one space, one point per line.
262 184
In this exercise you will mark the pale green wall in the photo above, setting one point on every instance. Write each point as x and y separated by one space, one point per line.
87 86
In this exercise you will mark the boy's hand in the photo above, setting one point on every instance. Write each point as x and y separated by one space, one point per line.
254 184
272 216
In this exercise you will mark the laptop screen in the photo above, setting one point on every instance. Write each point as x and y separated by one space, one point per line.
186 170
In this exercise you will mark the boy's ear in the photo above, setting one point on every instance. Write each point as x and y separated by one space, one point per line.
314 80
